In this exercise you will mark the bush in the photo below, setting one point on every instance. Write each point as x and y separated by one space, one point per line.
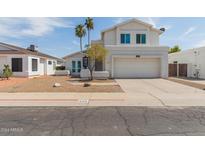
7 72
86 84
60 67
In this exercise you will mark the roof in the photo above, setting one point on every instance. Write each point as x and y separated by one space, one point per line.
74 53
19 50
133 20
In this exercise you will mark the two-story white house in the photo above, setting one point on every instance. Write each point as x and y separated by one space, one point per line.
134 52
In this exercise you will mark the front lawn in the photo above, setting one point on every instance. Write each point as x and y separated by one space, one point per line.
45 84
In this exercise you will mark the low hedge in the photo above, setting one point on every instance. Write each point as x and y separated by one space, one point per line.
60 67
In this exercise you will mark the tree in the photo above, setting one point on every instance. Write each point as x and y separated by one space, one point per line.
89 25
95 53
80 32
7 72
174 49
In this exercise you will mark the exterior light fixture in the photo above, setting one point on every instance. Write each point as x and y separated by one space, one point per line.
85 62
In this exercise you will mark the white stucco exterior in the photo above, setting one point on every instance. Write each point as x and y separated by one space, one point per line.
111 40
73 57
112 36
8 60
43 68
151 49
195 58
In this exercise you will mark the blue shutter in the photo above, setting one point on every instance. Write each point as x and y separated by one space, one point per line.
122 38
79 66
73 66
127 38
138 38
143 39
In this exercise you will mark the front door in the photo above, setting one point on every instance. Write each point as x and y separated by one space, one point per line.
183 70
76 66
172 70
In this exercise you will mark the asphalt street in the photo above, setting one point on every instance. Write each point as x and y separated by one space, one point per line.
102 121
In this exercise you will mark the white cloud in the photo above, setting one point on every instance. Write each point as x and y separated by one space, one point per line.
19 27
188 31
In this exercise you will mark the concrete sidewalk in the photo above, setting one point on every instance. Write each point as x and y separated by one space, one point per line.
102 99
77 99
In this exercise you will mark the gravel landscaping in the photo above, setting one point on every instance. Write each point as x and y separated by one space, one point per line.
45 84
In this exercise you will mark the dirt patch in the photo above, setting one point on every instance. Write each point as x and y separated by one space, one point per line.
12 82
93 81
188 83
45 84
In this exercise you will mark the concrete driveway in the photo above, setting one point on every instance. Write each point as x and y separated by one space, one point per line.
154 92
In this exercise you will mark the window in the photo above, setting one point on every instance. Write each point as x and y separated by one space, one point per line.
141 38
79 66
17 64
49 62
34 65
76 66
125 38
73 66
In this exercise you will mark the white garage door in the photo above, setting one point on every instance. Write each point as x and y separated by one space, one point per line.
136 67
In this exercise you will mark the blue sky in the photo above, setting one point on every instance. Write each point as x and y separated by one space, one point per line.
56 36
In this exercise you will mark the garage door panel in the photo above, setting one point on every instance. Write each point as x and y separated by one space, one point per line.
136 67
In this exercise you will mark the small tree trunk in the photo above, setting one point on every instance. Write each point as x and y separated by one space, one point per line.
91 68
81 48
91 75
88 38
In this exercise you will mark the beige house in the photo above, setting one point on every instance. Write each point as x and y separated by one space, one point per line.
134 52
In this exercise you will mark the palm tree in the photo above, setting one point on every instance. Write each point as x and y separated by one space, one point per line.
80 32
89 25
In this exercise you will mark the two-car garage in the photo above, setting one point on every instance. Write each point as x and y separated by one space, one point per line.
135 67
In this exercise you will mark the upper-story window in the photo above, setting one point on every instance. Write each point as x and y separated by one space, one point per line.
141 38
125 38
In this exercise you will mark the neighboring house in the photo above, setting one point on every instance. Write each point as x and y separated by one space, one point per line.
27 62
73 63
133 52
193 58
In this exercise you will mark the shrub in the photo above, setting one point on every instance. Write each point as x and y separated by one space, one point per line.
60 67
86 84
7 72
